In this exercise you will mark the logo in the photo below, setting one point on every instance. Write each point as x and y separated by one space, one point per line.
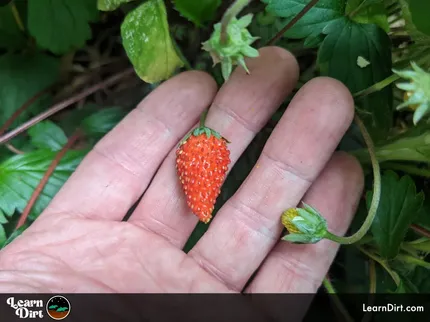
26 309
58 307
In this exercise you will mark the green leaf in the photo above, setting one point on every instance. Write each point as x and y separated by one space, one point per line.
15 234
420 278
418 37
197 233
20 142
21 77
101 122
406 286
368 11
411 145
3 219
423 218
21 174
73 117
11 37
147 41
61 25
3 236
420 10
110 5
62 309
337 58
311 25
47 135
197 12
265 26
399 206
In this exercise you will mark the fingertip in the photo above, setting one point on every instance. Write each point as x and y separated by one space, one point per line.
354 175
196 81
284 60
274 53
195 85
350 166
343 176
181 98
334 96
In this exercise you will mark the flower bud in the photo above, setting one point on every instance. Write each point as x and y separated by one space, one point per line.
236 47
417 91
305 225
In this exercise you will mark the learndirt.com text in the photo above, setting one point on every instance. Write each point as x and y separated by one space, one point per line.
392 308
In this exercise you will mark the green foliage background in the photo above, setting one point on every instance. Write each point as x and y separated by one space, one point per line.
62 46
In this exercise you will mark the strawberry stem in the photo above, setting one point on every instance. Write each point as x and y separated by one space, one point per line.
203 118
231 13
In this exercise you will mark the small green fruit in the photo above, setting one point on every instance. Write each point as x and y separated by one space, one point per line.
418 91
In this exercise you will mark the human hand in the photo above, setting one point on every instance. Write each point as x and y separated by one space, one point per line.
81 244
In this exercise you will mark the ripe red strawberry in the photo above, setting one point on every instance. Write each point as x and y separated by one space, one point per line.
202 161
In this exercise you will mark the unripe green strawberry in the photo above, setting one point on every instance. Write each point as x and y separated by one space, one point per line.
417 91
202 161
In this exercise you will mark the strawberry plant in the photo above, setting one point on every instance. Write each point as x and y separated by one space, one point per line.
70 70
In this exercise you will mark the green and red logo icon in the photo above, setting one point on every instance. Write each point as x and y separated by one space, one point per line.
58 307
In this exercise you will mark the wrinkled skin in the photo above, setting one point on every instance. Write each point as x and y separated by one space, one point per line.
81 244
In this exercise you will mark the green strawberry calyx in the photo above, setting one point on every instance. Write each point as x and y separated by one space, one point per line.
418 88
202 129
234 48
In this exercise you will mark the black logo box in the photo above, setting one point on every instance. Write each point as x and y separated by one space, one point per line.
222 307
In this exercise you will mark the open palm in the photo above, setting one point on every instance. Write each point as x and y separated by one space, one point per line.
81 244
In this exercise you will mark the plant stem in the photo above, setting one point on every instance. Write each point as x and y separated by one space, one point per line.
337 302
66 103
372 277
231 12
402 149
11 148
292 22
413 260
356 10
416 246
420 230
328 286
372 289
24 106
409 249
72 140
418 241
203 118
333 237
365 240
383 263
377 87
408 169
376 193
16 16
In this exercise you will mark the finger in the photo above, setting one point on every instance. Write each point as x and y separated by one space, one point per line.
301 268
119 168
248 225
241 108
